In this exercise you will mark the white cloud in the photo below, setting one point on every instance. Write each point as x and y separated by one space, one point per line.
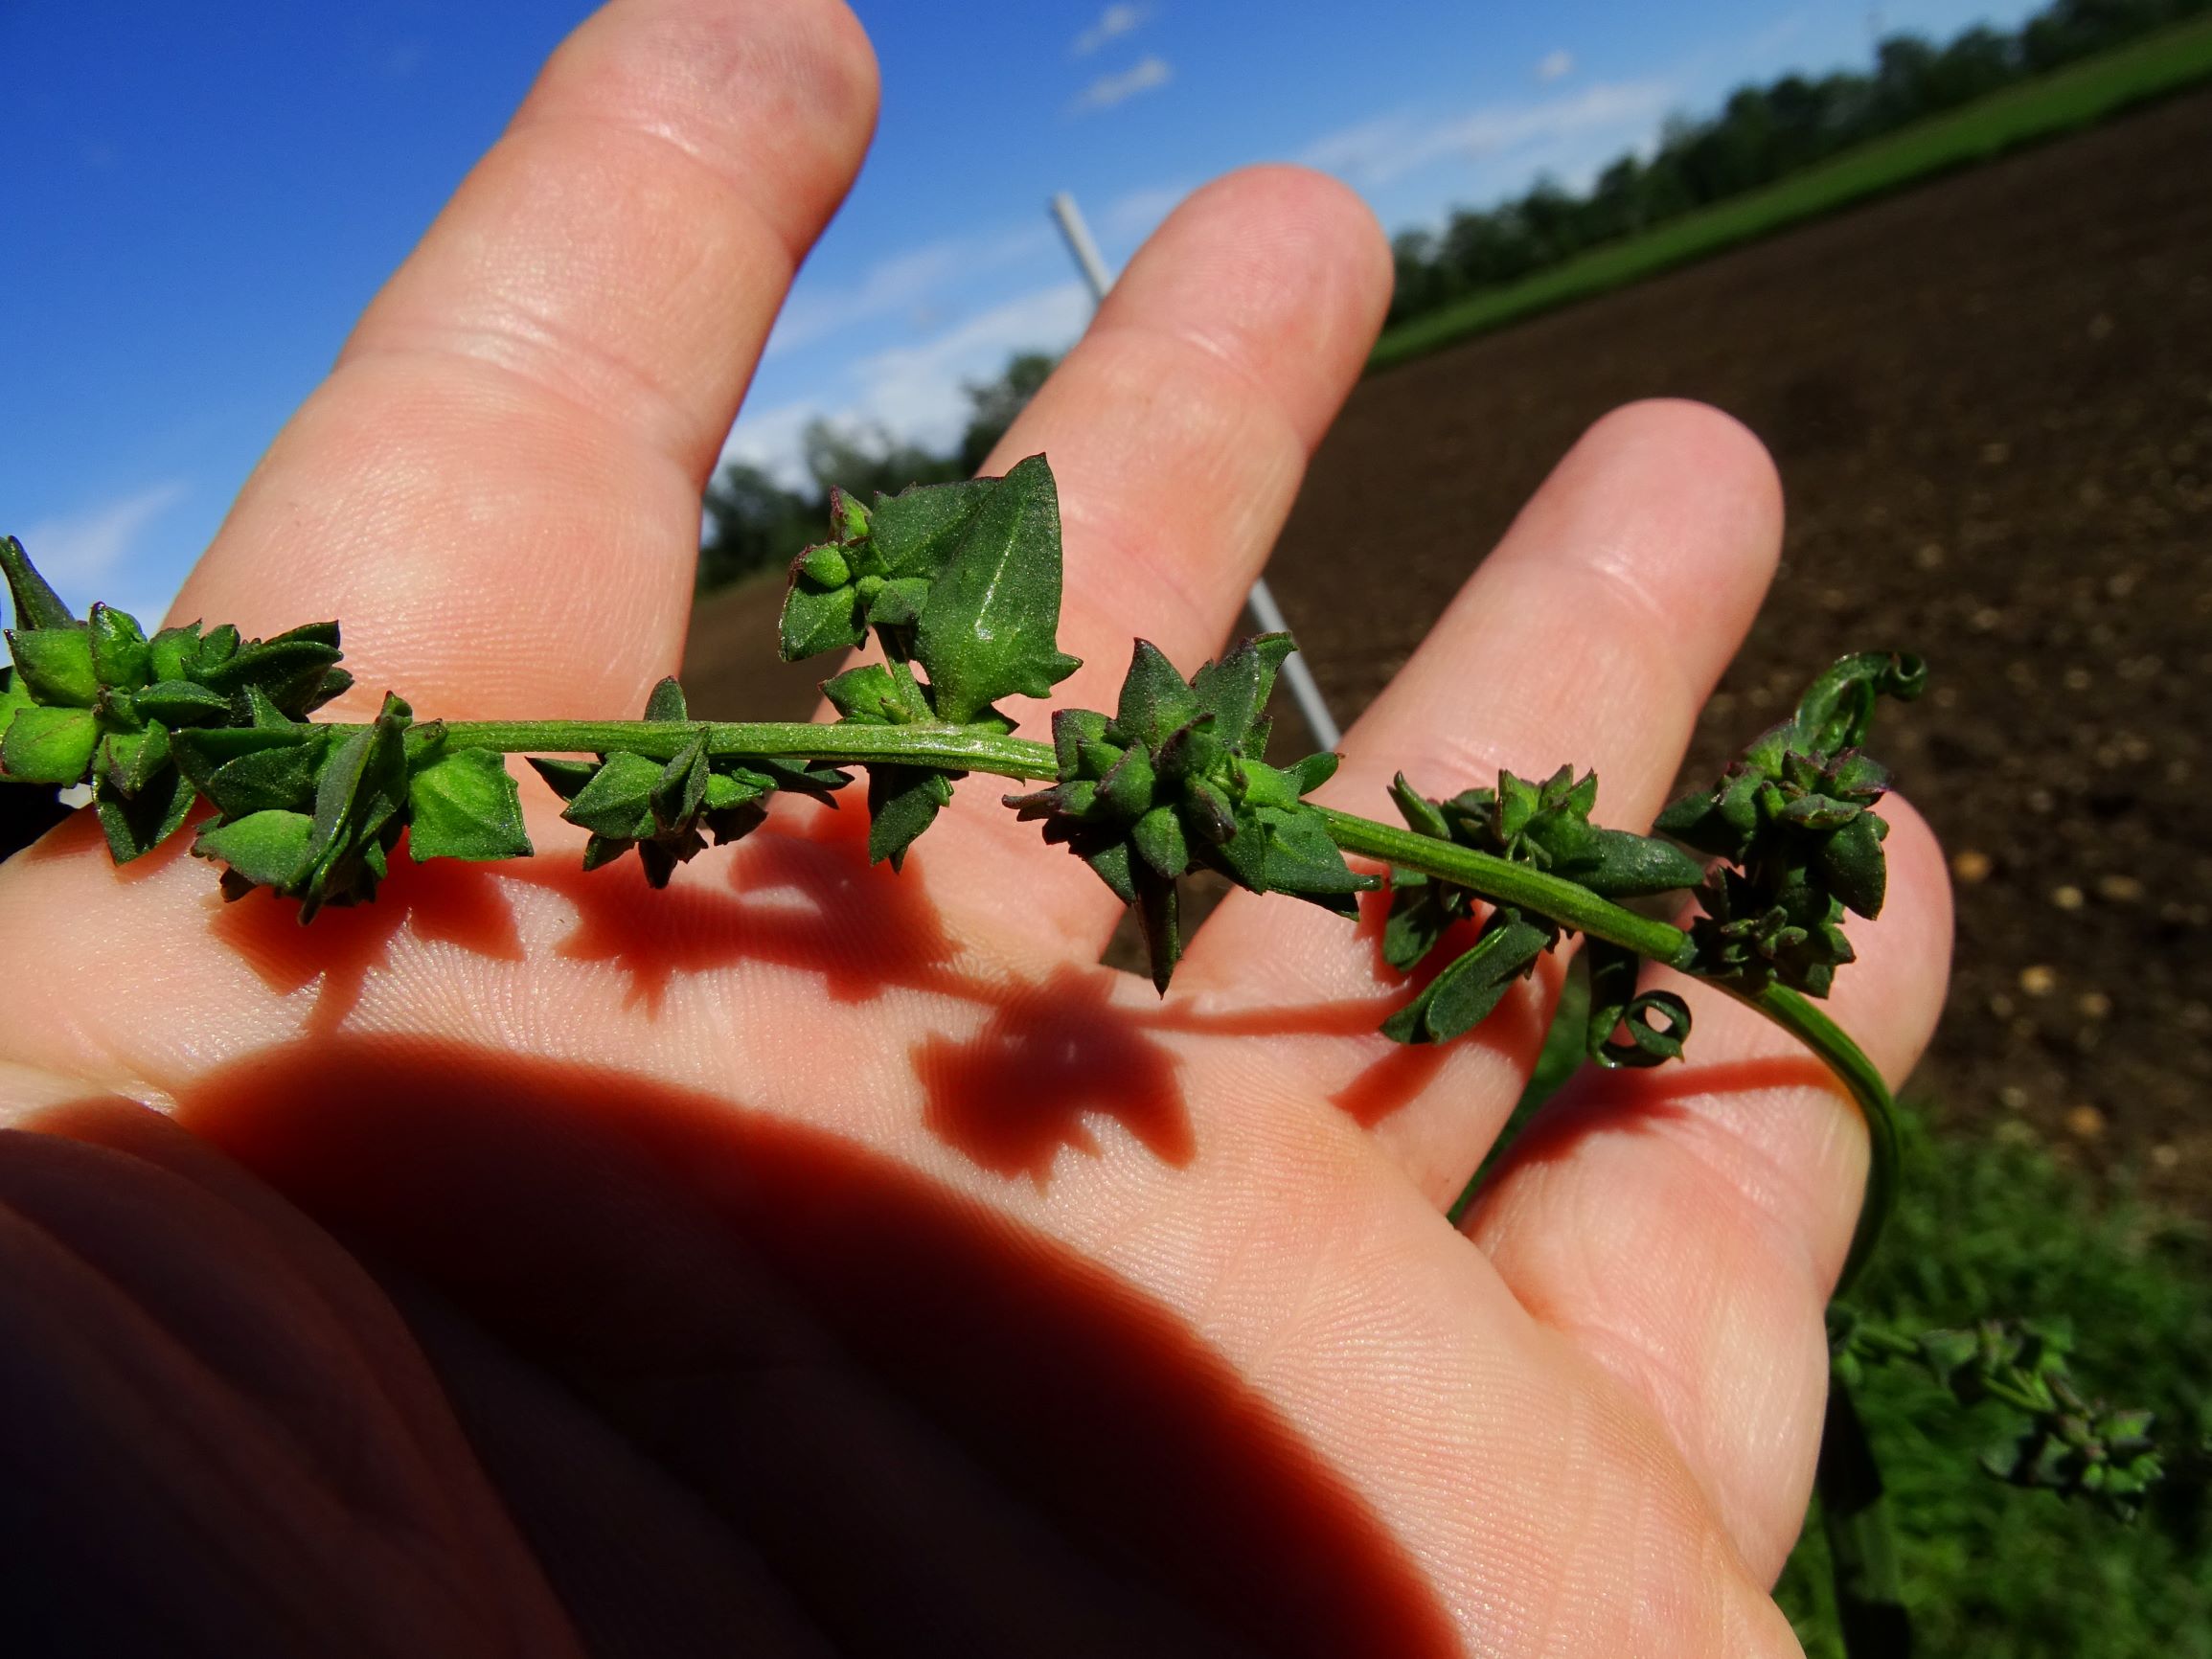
1114 22
907 281
917 392
1554 66
81 552
1375 152
1109 90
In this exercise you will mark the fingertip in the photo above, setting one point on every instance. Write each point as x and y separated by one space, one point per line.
1275 270
1718 467
681 68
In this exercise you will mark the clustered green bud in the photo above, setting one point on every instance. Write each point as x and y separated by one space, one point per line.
1793 816
668 810
1177 778
1545 825
98 703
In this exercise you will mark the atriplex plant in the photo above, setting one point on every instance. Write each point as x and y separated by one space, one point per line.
961 584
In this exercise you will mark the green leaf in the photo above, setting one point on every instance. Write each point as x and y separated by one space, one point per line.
465 804
566 777
174 653
1620 865
13 695
989 628
279 777
817 618
1417 922
1155 701
1853 862
680 791
289 668
129 761
265 849
915 532
903 802
666 701
865 695
55 665
898 603
1313 771
36 605
45 745
120 655
182 703
1473 985
1421 815
1158 916
1157 838
616 803
1297 857
1235 690
1836 710
137 822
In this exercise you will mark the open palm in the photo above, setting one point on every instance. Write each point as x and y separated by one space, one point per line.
814 1259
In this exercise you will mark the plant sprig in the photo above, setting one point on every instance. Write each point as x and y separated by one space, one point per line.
960 587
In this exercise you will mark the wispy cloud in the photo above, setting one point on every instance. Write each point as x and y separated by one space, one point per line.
81 552
1374 153
1114 22
1554 66
908 281
1109 90
917 392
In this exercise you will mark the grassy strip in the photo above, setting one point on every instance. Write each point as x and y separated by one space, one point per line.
1991 1223
2069 98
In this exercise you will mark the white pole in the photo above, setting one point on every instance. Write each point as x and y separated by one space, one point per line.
1265 610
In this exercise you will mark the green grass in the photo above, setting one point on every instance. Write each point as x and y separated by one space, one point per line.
2073 97
1992 1225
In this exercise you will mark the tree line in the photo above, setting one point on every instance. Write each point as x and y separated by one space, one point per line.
1761 134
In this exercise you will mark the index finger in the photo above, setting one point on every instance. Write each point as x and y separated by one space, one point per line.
497 489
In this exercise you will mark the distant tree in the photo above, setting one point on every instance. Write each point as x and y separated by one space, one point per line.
752 523
992 405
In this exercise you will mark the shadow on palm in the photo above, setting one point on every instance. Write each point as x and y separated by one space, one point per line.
730 1372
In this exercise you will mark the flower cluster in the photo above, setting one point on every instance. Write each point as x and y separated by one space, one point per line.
1548 826
98 703
1177 778
668 810
1794 816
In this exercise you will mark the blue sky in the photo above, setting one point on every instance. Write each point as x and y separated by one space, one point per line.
199 199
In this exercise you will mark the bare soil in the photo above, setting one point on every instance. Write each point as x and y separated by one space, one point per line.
1991 402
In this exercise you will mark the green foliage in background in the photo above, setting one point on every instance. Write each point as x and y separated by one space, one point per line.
1993 1572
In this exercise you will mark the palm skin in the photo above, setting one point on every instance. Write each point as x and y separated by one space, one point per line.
814 1259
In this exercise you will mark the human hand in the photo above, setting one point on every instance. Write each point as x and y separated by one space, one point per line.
816 1259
